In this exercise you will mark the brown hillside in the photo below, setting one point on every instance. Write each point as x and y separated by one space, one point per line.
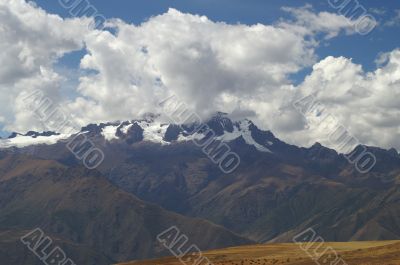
353 253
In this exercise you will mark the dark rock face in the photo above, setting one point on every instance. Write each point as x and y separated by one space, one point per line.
13 135
36 134
135 134
220 123
93 128
172 133
33 134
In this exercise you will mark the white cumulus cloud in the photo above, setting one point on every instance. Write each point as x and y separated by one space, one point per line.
212 66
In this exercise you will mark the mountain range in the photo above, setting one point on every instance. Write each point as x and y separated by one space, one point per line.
155 176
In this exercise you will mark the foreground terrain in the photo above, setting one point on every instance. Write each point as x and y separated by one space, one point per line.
357 253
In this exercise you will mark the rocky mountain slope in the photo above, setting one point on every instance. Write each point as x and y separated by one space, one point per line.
95 220
277 191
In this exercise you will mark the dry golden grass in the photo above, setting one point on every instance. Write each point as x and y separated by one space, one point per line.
357 253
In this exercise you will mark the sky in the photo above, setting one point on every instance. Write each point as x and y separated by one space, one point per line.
362 49
250 59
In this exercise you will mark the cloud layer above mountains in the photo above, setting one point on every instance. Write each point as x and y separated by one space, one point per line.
211 66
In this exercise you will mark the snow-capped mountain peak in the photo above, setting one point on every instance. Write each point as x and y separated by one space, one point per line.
151 129
32 138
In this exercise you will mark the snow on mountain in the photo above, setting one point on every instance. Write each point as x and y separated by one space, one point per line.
154 131
150 130
110 132
126 128
21 141
242 128
192 137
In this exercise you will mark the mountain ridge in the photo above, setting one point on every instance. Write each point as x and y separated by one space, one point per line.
151 130
271 196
